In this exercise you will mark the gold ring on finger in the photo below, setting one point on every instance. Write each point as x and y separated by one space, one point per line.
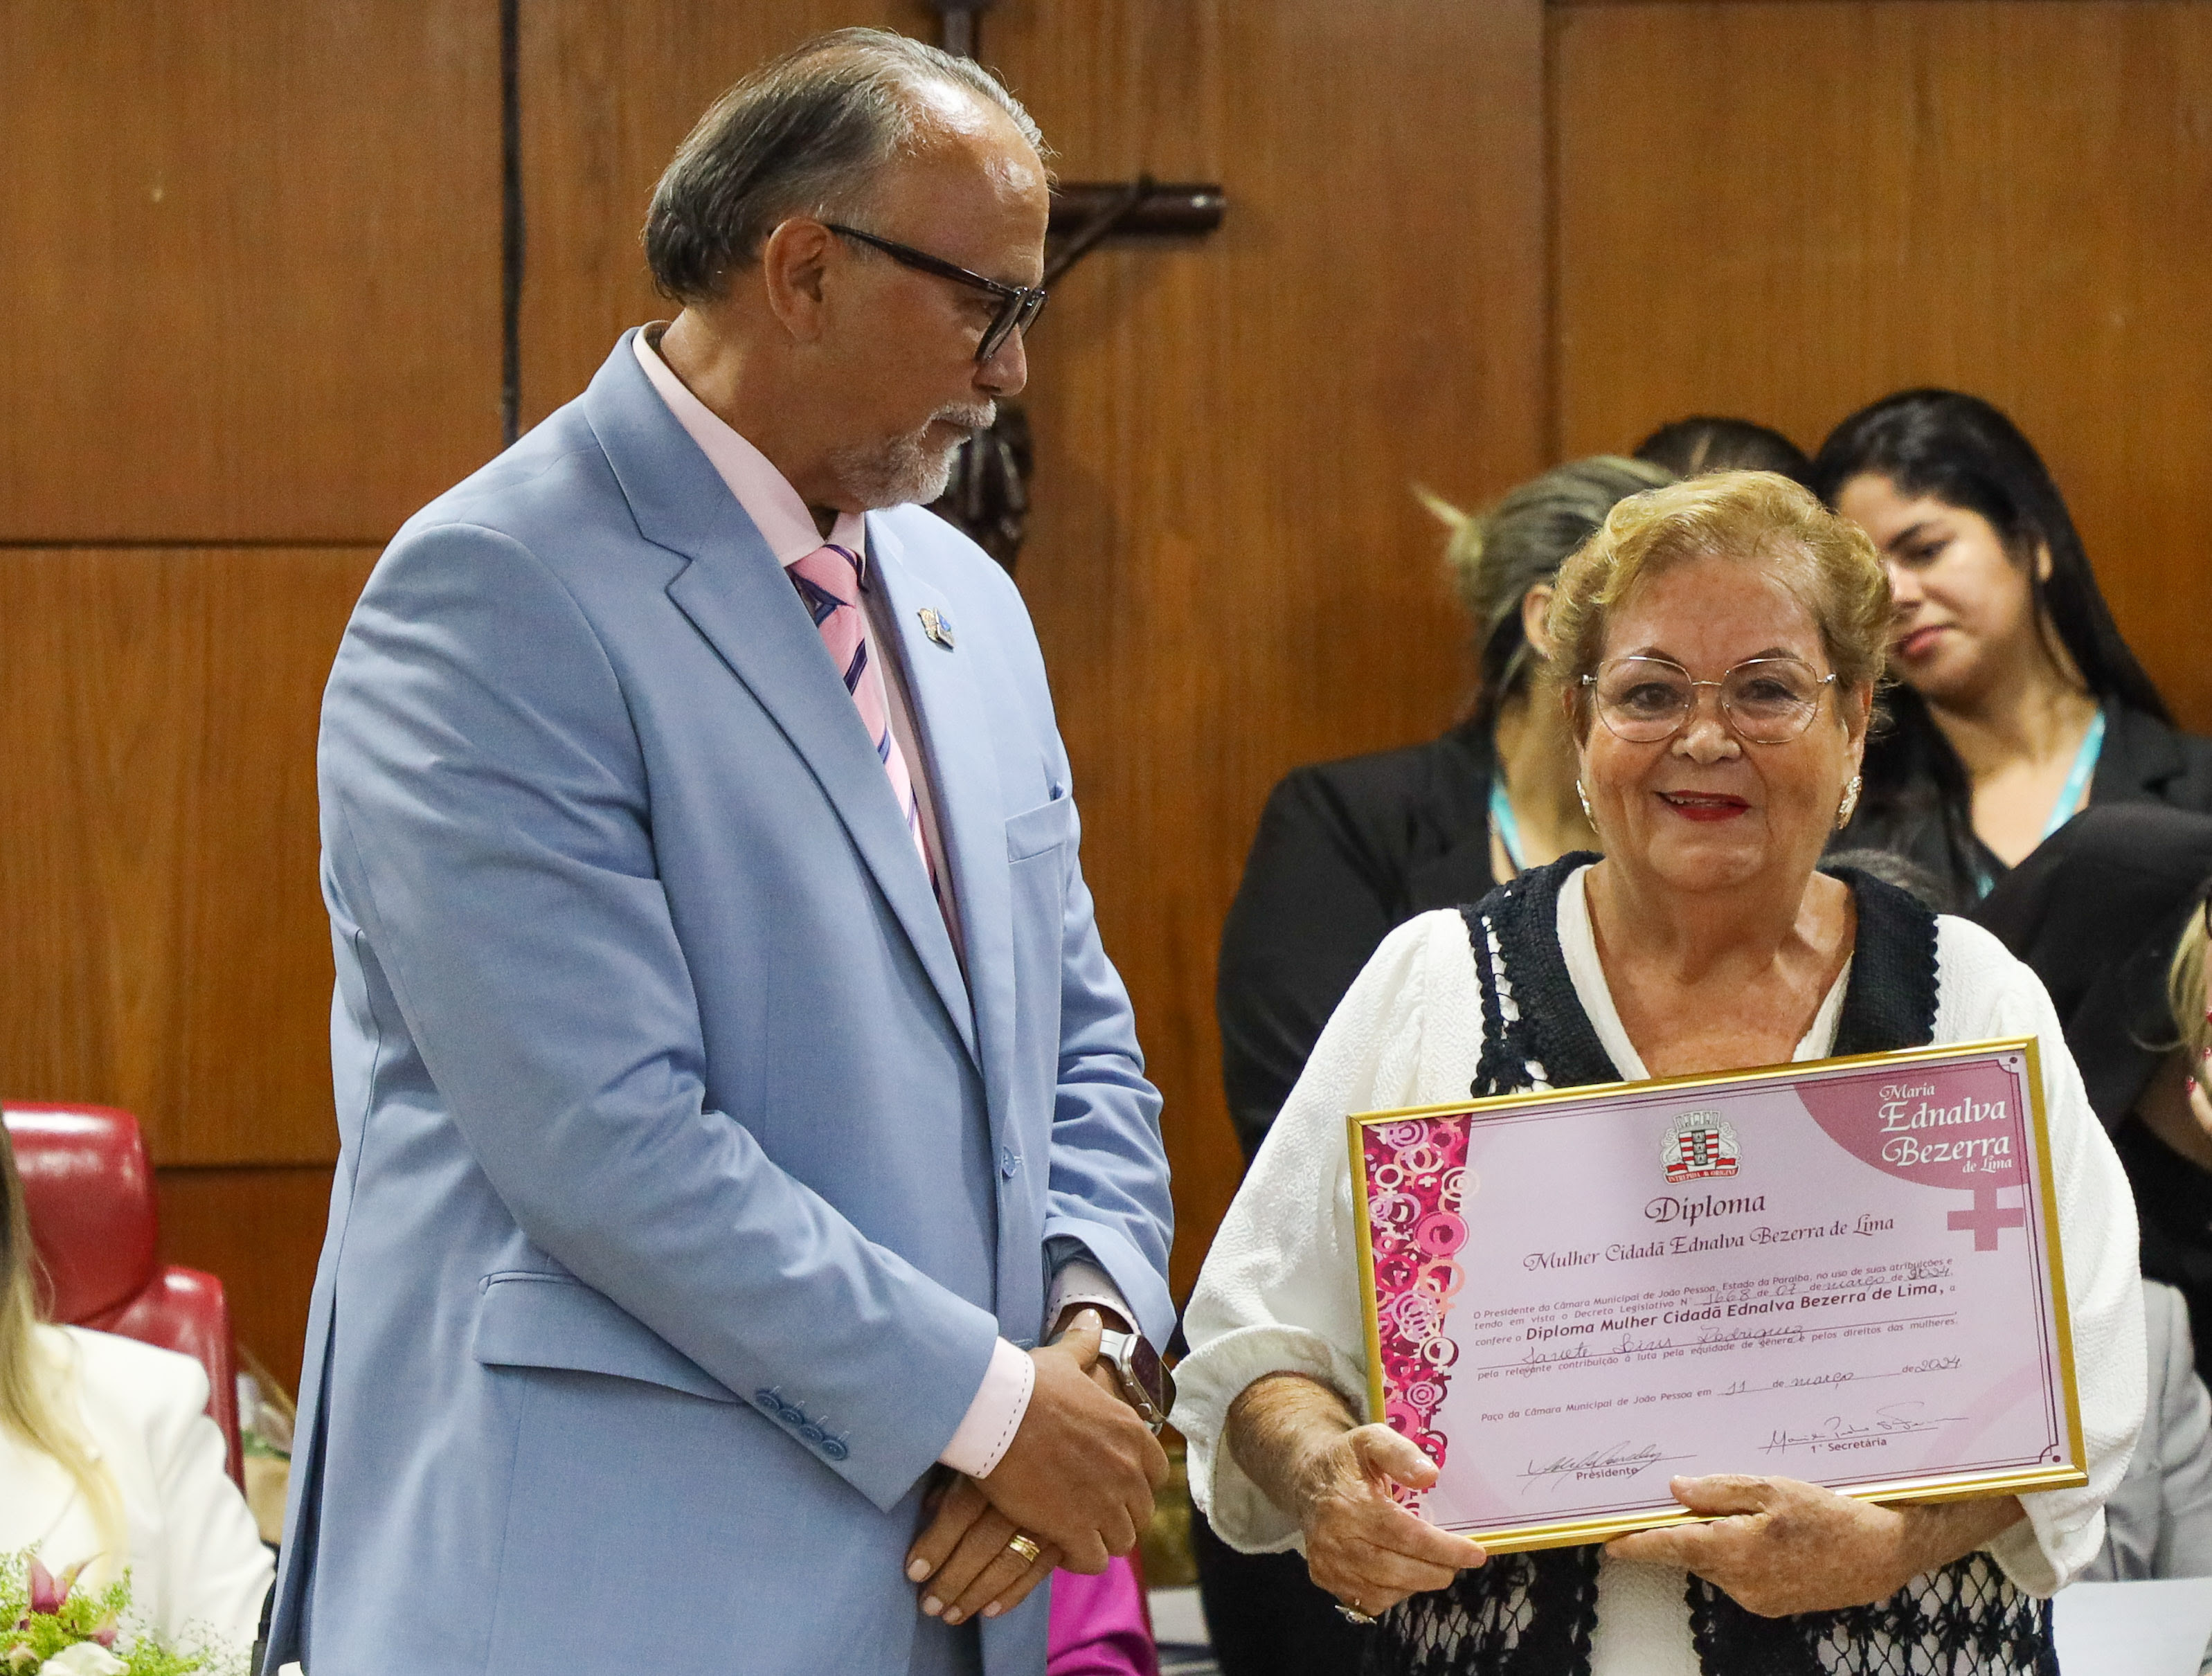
1025 1545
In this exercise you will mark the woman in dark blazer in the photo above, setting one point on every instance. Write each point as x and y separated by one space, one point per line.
2019 704
1346 851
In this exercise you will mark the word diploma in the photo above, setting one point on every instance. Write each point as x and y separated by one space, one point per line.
1846 1272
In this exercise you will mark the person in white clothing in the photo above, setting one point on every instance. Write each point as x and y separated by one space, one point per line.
1718 643
108 1460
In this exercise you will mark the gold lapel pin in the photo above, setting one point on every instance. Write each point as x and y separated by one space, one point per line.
936 625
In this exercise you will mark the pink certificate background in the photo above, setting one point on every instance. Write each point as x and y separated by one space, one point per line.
1460 1203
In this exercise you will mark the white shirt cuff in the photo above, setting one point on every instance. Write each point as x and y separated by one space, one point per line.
994 1415
1080 1280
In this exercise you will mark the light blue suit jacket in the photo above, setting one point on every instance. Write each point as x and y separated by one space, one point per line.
685 1182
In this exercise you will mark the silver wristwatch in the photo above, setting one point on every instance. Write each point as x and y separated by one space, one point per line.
1146 1385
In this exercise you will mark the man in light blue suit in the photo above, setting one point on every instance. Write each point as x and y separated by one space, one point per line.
732 1088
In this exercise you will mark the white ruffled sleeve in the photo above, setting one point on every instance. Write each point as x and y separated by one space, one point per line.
1988 994
1279 1289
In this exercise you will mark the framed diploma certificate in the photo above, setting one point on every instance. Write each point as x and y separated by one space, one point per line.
1847 1272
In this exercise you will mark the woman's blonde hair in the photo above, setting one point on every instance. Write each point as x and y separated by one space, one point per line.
34 1391
2184 992
1826 562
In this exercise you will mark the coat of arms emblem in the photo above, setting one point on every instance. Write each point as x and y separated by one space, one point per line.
1700 1144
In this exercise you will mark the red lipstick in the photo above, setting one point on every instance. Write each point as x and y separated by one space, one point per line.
1704 805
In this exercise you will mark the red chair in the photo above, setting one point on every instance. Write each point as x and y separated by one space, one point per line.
90 1193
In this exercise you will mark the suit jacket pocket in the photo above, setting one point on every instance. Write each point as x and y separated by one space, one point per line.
543 1320
1034 831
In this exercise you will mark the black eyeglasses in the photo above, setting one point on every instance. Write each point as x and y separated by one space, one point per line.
1019 305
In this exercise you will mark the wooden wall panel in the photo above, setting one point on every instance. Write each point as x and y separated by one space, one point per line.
168 950
1786 210
260 1231
608 94
252 264
1227 567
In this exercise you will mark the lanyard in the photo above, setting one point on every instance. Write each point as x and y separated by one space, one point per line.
2070 794
2077 782
1502 824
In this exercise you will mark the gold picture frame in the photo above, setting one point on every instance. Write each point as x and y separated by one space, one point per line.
1552 1533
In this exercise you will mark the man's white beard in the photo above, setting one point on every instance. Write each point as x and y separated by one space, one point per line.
903 469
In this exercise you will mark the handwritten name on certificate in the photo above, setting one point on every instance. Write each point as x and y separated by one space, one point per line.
1846 1272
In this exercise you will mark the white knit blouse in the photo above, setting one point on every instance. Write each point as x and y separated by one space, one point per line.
1279 1290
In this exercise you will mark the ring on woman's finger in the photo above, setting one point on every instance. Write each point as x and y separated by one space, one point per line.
1024 1546
1351 1614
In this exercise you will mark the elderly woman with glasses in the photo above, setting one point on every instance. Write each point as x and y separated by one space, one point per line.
1717 644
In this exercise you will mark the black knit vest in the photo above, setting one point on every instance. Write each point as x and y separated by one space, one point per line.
1532 1614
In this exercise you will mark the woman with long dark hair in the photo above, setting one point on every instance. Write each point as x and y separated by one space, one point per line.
2018 702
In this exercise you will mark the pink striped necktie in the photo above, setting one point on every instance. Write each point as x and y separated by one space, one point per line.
828 583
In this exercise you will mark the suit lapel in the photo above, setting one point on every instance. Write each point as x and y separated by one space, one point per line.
736 595
955 737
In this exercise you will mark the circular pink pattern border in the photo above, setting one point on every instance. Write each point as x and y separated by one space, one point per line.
1416 1170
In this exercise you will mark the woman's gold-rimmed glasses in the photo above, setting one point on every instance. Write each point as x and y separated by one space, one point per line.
1765 700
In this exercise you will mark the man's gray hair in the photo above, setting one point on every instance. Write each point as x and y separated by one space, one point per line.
806 133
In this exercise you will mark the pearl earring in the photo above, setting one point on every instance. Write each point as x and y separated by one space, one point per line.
1582 798
1850 802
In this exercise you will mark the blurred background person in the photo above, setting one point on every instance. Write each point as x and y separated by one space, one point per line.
1348 849
2109 913
1708 442
2020 704
2159 1522
108 1460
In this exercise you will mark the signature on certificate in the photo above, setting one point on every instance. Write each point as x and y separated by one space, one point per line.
1614 1460
1837 1432
1537 1357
